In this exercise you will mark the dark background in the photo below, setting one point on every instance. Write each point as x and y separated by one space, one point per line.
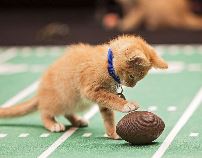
23 22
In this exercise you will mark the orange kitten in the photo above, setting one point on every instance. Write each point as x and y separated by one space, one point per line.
86 74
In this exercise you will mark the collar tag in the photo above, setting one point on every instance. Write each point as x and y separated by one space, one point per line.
120 94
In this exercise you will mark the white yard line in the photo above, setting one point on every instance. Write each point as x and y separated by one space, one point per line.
179 125
21 95
67 134
7 55
44 135
23 135
152 108
86 135
193 134
2 135
172 108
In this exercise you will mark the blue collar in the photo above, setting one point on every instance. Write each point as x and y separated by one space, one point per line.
110 67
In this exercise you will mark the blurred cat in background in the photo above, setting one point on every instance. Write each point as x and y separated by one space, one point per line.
156 14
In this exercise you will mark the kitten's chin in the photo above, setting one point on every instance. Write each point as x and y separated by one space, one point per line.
129 84
133 85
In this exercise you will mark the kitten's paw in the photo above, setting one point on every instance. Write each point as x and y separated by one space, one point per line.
80 123
130 107
114 136
57 127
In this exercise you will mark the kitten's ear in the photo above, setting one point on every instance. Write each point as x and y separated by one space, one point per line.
138 60
157 61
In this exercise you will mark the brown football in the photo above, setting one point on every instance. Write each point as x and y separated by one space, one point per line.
140 127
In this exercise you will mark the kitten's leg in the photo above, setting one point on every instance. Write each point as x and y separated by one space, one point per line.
108 118
111 101
51 124
77 121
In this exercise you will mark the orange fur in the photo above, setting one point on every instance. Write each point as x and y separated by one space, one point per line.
80 77
158 13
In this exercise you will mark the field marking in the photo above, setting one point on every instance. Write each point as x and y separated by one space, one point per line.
7 69
21 95
7 55
172 108
58 142
23 135
25 52
159 49
199 49
39 53
44 135
86 135
174 67
67 134
179 125
193 134
173 49
152 108
2 135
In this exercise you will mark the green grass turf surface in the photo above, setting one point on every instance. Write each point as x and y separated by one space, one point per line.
157 89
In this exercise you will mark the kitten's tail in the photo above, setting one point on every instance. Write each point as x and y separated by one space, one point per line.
20 109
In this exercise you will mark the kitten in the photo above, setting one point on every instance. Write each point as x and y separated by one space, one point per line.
157 14
86 74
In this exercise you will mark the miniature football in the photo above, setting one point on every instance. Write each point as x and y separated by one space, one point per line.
140 127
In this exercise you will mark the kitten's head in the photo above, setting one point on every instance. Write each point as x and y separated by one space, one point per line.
133 58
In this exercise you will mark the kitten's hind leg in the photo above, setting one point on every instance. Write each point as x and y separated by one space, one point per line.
108 117
77 121
51 124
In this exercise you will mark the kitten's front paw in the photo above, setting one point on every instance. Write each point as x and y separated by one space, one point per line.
130 107
57 127
114 136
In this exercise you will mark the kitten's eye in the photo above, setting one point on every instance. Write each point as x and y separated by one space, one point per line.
131 76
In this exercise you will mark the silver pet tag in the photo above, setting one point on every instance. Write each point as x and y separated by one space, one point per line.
121 96
121 93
